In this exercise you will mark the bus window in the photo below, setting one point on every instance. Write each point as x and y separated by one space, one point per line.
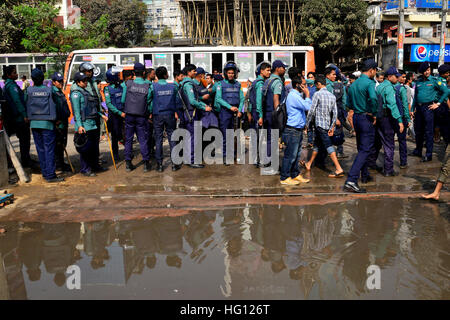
20 59
148 60
128 59
2 60
217 63
163 60
24 69
43 67
259 57
284 56
177 61
74 70
299 60
269 56
202 60
100 71
230 56
246 64
187 59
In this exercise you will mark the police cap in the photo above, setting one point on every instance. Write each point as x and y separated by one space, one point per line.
424 67
139 67
57 76
79 76
444 68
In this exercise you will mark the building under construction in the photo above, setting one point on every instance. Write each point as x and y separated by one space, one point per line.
240 22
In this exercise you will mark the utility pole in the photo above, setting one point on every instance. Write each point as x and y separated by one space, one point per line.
237 23
401 33
443 32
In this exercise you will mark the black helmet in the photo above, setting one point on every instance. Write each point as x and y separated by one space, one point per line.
81 142
230 65
86 66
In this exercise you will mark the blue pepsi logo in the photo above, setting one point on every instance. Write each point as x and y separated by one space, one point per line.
421 53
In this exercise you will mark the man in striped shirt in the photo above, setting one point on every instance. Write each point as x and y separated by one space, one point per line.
324 112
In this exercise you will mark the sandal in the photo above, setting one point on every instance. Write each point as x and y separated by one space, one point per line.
336 175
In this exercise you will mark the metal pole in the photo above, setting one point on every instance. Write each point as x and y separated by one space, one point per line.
401 33
443 32
237 24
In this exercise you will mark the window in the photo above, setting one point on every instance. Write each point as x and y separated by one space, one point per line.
202 60
163 60
128 59
20 59
246 64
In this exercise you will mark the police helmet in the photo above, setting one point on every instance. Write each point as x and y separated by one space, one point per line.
37 74
230 65
111 77
86 66
81 142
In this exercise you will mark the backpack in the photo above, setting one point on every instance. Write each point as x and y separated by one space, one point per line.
398 99
279 117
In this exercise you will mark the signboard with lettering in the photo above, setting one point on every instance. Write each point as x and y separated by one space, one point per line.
428 52
394 4
428 3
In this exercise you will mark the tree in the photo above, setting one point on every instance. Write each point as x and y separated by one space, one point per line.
126 19
166 34
333 24
41 33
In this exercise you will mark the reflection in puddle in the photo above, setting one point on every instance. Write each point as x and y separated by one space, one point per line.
249 252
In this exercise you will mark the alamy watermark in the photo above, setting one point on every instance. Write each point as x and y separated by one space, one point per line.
257 148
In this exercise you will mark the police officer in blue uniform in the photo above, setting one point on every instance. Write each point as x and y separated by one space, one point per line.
230 98
430 93
275 93
41 111
62 121
136 98
362 99
192 106
113 97
164 107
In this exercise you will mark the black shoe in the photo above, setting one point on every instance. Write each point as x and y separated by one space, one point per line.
159 167
196 166
89 174
390 174
266 165
129 166
367 179
176 167
257 165
54 180
64 168
376 168
353 187
147 166
415 154
427 159
100 169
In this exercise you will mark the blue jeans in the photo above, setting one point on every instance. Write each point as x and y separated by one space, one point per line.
45 142
289 166
323 141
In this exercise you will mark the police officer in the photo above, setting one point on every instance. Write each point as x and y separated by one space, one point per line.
164 107
193 103
62 121
389 118
137 97
362 99
255 110
15 116
401 96
113 97
86 117
94 100
442 114
230 98
276 94
41 111
430 93
337 88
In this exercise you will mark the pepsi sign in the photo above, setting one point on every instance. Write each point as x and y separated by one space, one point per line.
428 52
437 4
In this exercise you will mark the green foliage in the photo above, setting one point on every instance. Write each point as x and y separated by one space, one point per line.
333 24
125 22
166 34
151 39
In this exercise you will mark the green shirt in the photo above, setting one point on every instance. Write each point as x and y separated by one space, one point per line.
330 88
214 91
387 92
222 103
41 124
404 98
13 90
78 103
429 90
362 97
188 88
109 103
140 80
259 96
63 123
277 85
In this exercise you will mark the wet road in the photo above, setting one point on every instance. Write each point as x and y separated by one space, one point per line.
240 251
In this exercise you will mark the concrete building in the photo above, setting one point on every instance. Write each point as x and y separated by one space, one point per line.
164 13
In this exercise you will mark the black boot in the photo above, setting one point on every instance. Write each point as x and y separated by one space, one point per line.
129 166
159 167
176 167
147 166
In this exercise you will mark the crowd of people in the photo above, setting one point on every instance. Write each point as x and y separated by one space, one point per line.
372 106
